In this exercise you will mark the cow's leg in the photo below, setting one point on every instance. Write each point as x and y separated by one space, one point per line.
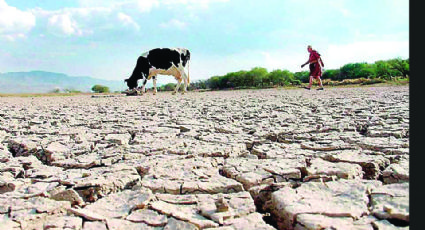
154 85
143 86
179 81
185 80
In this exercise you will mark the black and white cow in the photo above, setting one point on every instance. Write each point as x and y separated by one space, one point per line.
165 61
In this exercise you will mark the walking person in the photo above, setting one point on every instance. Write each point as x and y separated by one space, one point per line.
315 64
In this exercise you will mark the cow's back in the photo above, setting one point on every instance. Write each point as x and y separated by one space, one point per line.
163 58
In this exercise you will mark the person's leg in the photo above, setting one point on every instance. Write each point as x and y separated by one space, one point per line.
310 83
320 83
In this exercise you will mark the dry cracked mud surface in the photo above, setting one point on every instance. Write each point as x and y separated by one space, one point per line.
248 159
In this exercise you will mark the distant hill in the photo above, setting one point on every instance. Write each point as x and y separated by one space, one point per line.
44 82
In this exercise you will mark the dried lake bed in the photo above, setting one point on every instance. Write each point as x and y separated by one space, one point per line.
241 159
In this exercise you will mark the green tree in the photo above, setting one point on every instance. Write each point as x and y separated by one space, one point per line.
383 70
282 77
357 70
100 89
368 71
201 84
288 77
351 71
238 78
213 82
267 81
332 74
302 76
276 77
223 82
399 66
254 77
235 79
259 77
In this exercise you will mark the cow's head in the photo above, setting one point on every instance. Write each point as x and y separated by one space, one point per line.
185 56
131 83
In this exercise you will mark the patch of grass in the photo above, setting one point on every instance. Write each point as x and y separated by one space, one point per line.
399 81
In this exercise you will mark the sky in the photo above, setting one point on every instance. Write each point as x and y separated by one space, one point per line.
104 38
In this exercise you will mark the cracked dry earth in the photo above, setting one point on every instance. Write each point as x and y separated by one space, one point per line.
249 159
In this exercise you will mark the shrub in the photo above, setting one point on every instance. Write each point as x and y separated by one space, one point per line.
331 74
100 89
168 87
296 82
71 91
56 90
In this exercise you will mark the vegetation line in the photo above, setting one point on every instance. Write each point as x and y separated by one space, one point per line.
393 70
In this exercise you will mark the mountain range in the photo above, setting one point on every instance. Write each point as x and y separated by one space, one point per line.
44 82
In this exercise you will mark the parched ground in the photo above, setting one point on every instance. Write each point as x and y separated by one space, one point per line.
246 159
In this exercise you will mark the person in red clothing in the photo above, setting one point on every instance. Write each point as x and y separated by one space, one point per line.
315 64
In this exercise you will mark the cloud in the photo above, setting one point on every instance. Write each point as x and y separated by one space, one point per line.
140 5
146 5
98 3
83 21
63 24
14 23
193 3
127 20
92 17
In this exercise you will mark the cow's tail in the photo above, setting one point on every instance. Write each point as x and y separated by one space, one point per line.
188 78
